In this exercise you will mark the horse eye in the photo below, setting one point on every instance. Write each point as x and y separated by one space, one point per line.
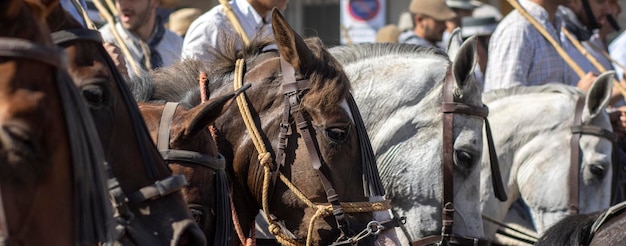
94 94
463 159
337 134
597 170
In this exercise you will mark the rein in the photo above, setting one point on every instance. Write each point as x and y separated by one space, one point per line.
604 217
450 108
223 227
293 90
92 209
160 188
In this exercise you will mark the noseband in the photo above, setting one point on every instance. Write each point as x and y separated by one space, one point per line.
578 129
449 109
160 188
294 90
223 226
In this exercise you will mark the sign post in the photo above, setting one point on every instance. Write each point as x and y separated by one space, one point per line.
360 19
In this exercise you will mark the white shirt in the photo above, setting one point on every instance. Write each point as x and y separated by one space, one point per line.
169 47
207 33
617 49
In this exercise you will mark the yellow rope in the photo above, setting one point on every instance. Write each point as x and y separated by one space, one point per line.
230 14
265 159
591 59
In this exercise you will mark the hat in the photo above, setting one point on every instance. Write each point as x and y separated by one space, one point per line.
388 34
436 9
405 22
479 26
182 18
463 4
487 10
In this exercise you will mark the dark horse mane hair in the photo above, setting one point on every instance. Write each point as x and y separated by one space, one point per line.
179 82
494 95
355 53
573 230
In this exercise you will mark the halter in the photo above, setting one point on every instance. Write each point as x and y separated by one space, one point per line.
223 227
92 211
578 129
293 91
449 108
160 188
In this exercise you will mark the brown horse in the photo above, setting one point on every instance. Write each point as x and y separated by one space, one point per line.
183 138
52 191
325 168
150 210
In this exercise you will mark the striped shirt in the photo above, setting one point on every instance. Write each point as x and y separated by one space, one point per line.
520 56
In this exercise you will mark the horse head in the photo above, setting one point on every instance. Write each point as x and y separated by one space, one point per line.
400 90
558 165
147 216
183 138
48 161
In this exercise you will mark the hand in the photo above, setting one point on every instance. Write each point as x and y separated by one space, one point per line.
618 121
586 81
118 59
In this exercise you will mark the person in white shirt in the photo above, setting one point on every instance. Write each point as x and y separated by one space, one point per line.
208 32
151 45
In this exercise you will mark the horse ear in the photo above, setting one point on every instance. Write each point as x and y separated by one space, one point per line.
207 112
454 43
598 96
464 61
291 46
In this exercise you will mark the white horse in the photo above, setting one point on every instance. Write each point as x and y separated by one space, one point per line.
398 89
532 131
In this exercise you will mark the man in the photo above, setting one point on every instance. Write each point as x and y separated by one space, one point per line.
462 8
429 17
520 56
150 44
213 30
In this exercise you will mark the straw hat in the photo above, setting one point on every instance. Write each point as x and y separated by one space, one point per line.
388 34
182 18
437 9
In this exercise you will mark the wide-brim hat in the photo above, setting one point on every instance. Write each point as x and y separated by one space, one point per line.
463 4
437 9
479 26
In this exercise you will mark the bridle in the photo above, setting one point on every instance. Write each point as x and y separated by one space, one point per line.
223 226
294 90
450 108
160 188
578 129
91 206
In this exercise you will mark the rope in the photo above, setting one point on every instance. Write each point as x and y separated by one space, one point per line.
79 8
230 14
591 59
266 160
242 238
112 7
129 58
606 54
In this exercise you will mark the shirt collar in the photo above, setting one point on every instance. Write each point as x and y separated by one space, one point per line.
248 11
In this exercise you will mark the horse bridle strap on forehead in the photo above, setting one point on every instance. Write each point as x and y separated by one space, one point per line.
293 90
578 129
23 49
449 108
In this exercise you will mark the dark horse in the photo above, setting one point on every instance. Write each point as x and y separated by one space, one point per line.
320 157
52 189
604 228
183 138
150 209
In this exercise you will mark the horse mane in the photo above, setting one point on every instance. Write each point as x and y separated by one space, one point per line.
354 53
494 95
179 82
573 230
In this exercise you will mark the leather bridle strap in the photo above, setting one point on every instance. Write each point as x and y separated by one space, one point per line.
4 227
63 37
578 129
293 99
160 188
608 214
